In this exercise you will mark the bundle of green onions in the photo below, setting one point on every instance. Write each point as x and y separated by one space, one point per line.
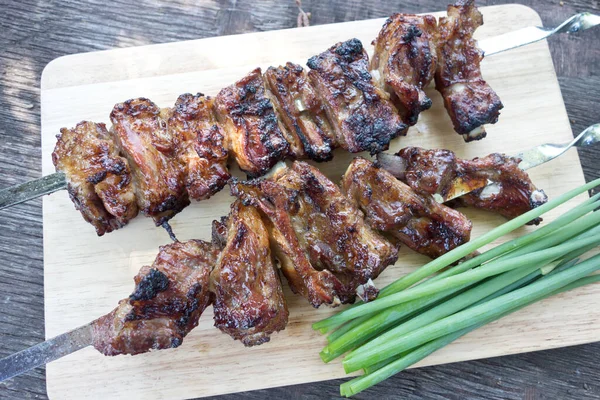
415 316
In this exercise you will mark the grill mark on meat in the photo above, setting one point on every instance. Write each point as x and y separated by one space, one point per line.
362 117
405 58
248 118
98 178
165 305
249 302
392 207
150 285
440 171
469 100
325 249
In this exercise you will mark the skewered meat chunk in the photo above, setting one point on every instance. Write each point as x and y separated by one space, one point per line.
321 240
167 302
392 207
99 180
469 100
248 118
140 131
301 111
200 143
360 113
405 59
249 303
511 194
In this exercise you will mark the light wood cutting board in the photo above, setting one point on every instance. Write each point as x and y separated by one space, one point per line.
85 276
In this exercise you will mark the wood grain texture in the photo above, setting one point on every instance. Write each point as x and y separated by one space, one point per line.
36 32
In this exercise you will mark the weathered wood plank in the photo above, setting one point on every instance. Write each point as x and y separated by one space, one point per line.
35 32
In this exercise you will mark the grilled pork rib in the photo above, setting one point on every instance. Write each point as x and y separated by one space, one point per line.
200 145
469 100
249 303
360 113
302 112
165 306
405 59
99 180
247 116
140 131
440 171
321 240
392 207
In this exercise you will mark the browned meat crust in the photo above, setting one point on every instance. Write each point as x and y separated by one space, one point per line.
441 172
469 100
99 180
200 145
249 303
392 207
167 302
512 193
302 113
325 248
405 58
140 131
360 114
248 118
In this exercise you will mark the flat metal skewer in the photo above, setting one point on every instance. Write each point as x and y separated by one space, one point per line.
43 353
522 37
32 189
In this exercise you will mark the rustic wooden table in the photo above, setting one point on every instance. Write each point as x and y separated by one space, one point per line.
35 32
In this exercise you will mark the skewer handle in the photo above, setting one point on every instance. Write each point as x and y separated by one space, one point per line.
532 34
45 352
32 189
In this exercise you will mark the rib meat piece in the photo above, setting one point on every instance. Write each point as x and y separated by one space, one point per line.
200 145
167 302
99 180
392 207
360 113
248 118
405 59
440 171
140 131
301 111
321 240
249 303
469 100
512 192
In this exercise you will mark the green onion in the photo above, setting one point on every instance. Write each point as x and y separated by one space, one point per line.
469 297
373 325
479 314
412 318
384 370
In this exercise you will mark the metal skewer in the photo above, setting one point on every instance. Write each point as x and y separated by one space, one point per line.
579 22
546 152
32 189
44 352
512 40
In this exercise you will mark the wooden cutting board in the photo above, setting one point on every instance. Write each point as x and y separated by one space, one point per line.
85 276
